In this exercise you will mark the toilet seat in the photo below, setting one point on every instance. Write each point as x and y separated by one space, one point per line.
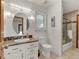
46 45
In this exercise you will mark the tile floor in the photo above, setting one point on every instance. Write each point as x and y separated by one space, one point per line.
72 53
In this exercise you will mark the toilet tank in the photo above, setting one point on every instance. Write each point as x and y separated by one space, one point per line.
43 40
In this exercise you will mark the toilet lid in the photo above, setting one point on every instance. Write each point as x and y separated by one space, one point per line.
47 46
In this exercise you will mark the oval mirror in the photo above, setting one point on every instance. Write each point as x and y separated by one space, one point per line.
20 23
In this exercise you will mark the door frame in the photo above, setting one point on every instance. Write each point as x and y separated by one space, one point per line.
1 28
77 30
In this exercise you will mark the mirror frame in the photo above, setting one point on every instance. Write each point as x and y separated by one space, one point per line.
19 24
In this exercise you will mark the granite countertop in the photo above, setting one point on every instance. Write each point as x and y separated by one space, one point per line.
12 42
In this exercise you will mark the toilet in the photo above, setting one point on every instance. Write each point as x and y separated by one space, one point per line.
45 48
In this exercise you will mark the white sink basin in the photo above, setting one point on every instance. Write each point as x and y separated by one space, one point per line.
22 40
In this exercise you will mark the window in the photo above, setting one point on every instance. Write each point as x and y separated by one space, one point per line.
40 21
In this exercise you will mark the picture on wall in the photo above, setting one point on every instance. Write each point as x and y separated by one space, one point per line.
53 21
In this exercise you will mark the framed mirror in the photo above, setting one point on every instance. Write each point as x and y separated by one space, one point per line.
20 23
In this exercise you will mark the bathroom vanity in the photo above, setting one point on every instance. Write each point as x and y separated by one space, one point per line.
21 50
19 26
18 21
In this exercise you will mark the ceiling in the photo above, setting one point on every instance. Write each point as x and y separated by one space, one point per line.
43 3
68 5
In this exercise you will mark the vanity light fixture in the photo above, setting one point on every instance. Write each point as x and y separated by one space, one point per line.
28 10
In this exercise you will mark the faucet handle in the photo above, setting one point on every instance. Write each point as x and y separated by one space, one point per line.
30 36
